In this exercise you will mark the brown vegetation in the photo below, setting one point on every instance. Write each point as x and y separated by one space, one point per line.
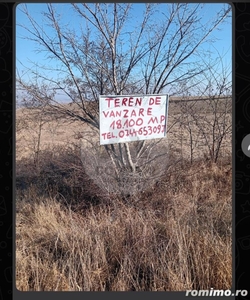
176 236
71 235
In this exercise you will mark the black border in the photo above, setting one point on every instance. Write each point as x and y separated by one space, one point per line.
241 162
6 138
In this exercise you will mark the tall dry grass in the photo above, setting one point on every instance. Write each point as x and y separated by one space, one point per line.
177 236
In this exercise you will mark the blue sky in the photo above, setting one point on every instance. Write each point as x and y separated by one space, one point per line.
26 50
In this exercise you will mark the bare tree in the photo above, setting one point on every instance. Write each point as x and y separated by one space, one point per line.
208 119
33 118
112 54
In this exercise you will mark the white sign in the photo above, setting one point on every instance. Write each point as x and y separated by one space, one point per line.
132 118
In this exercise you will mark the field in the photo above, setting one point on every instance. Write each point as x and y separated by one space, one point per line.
172 236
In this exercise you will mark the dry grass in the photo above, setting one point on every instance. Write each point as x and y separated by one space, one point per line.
176 237
173 236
